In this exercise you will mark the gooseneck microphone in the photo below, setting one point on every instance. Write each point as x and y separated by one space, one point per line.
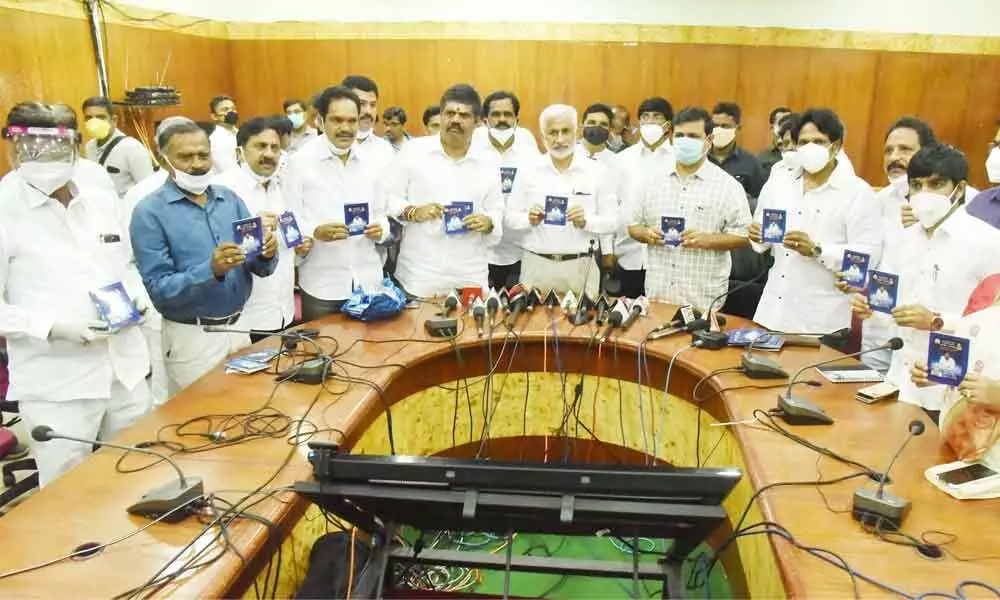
710 311
877 507
799 411
158 501
756 366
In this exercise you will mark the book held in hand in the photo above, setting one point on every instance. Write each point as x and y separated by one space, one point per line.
855 268
772 230
883 289
290 229
454 217
115 306
507 175
555 210
947 359
356 218
249 236
672 228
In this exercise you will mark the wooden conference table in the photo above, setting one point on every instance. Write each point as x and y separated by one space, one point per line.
87 504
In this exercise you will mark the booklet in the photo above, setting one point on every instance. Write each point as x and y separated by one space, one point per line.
249 235
507 175
555 210
855 268
772 230
356 218
947 359
454 217
115 306
672 228
882 291
290 229
760 338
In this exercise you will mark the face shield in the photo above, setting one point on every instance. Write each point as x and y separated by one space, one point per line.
45 157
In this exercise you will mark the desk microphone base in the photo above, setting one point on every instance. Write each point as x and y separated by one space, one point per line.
884 512
795 410
171 497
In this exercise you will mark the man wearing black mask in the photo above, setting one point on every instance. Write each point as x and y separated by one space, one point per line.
223 139
596 131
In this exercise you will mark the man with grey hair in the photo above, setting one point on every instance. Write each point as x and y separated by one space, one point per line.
73 366
566 202
197 277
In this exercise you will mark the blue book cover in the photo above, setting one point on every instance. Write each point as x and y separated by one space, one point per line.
555 210
115 306
290 229
947 359
672 228
507 175
855 268
249 236
883 289
760 338
772 230
356 218
454 217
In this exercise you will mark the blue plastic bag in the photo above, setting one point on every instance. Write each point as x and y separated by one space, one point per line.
373 304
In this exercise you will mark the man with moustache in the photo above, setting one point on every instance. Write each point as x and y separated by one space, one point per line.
501 115
223 137
379 151
449 201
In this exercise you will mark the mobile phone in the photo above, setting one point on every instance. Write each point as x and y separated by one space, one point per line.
877 392
966 474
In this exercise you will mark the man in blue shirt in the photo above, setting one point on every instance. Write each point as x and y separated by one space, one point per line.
196 276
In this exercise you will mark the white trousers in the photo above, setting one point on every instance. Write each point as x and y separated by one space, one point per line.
189 352
576 275
92 418
157 368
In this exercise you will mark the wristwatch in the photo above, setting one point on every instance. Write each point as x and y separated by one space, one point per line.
937 324
817 251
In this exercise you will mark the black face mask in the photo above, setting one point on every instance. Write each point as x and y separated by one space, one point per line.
231 118
595 135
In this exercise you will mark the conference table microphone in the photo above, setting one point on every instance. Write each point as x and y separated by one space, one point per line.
450 304
156 503
877 508
601 310
694 327
713 338
638 308
795 410
518 299
479 314
582 314
619 313
492 306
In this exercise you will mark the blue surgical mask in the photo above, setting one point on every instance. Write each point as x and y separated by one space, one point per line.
689 150
297 119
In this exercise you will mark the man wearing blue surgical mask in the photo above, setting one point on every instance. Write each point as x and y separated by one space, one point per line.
302 132
939 261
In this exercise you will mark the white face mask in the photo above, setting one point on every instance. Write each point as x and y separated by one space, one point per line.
502 136
46 177
362 135
723 136
192 184
900 183
561 153
651 133
261 179
813 157
930 208
790 158
993 166
337 151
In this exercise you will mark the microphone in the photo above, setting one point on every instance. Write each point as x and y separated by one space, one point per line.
492 306
710 311
619 313
697 325
684 315
876 507
551 301
756 366
504 296
533 299
479 314
518 299
602 308
582 314
450 304
799 411
639 307
568 303
287 334
156 502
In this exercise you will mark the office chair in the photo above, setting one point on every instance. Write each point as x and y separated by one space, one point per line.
15 488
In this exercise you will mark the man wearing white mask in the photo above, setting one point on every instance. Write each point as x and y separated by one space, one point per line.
297 111
271 306
986 204
196 275
653 153
690 216
62 244
377 150
331 187
511 149
826 210
565 202
124 158
939 260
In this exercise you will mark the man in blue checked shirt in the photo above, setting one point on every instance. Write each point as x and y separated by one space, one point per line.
196 276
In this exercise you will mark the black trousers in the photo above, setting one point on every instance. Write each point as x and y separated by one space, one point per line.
632 282
316 308
505 276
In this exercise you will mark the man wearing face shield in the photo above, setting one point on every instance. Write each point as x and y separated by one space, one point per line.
271 306
223 138
510 149
125 158
940 260
828 209
565 202
62 239
596 129
326 181
652 154
196 275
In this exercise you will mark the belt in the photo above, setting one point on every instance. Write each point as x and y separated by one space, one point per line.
202 321
562 257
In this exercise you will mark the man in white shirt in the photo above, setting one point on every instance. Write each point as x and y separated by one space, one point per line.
223 138
827 209
940 260
595 132
395 127
565 202
512 149
330 185
271 306
449 201
707 208
125 158
62 239
432 120
653 153
376 150
296 112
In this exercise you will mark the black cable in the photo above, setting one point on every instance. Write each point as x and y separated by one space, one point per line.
698 403
768 421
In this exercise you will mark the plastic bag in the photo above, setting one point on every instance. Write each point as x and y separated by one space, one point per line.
375 303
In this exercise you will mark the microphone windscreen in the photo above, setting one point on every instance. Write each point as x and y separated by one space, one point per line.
916 427
895 343
42 433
